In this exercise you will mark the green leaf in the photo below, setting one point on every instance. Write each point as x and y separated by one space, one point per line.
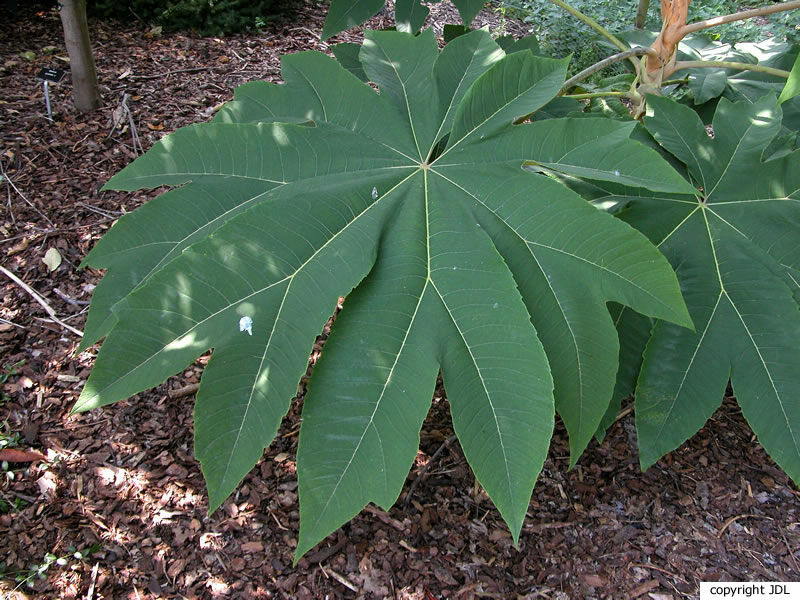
410 15
451 32
510 45
344 14
634 331
468 9
735 251
792 87
706 84
413 202
347 55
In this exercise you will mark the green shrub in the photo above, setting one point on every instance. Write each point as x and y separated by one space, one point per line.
560 34
205 17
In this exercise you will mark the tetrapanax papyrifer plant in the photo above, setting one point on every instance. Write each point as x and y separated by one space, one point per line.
413 202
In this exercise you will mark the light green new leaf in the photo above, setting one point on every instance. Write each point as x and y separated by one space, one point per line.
792 87
413 202
735 249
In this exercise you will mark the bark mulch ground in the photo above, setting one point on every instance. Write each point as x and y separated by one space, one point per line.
122 481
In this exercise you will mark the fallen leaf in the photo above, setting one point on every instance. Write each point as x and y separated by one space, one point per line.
17 248
155 126
52 258
18 456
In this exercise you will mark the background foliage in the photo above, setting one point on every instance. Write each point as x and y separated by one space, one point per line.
205 17
561 35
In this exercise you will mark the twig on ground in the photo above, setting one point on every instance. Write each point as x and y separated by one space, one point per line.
186 390
624 413
40 300
425 468
21 513
118 116
789 550
331 573
8 202
106 213
12 323
28 499
314 35
90 592
40 232
193 70
732 520
324 554
69 299
659 569
21 195
539 527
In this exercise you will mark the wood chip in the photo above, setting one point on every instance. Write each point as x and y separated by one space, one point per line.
250 547
644 588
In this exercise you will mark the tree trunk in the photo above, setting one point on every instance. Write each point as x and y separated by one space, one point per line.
85 92
641 14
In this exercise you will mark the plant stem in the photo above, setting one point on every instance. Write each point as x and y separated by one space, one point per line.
591 23
599 66
745 14
722 64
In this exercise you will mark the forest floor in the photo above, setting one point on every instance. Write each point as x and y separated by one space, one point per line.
122 480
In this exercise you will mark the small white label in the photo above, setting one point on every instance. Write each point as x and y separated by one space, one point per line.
755 590
374 193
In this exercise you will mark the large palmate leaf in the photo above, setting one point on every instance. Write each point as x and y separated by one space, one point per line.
736 250
414 203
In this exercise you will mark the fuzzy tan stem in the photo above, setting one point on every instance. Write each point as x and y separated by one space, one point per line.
721 64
